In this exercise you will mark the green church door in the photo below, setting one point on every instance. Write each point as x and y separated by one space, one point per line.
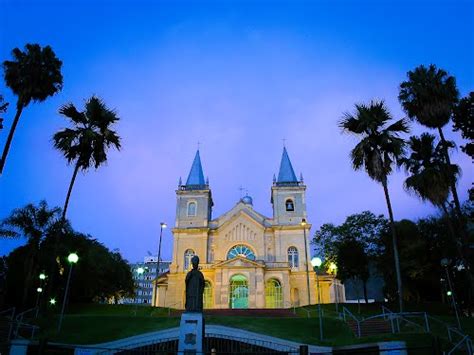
239 292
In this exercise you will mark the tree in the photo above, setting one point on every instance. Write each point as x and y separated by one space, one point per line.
379 148
3 109
353 245
430 96
430 175
33 75
99 275
33 223
86 144
463 121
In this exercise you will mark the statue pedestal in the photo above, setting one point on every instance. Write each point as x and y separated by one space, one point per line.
191 333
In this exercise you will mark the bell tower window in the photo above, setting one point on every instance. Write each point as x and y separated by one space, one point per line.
192 209
289 205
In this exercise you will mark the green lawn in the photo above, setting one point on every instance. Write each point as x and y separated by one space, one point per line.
95 323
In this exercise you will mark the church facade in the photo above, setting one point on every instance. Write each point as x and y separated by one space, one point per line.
248 260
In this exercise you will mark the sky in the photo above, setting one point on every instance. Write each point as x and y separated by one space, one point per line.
237 76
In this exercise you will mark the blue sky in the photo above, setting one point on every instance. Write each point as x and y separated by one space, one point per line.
238 76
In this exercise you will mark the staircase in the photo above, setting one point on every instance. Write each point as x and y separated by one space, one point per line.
255 312
370 327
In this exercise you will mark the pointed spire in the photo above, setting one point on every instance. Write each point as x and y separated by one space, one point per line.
180 182
286 174
196 176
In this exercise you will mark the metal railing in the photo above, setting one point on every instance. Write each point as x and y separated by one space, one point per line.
345 313
9 314
21 325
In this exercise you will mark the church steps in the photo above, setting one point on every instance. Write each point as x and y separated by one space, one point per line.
254 312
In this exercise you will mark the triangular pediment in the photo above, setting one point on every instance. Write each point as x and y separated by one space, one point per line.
239 262
240 211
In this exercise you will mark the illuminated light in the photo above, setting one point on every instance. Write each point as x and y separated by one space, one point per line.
316 262
140 270
303 222
449 293
42 276
163 225
73 258
39 290
52 301
332 267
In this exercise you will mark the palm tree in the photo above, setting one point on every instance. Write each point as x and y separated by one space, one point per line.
379 148
33 75
33 223
86 144
3 109
430 96
430 179
430 176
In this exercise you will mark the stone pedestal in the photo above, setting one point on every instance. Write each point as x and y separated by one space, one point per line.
191 333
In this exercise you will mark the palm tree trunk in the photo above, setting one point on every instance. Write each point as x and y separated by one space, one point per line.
452 183
68 196
394 243
61 225
19 109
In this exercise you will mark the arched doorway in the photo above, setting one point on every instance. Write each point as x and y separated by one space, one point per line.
273 294
239 292
207 297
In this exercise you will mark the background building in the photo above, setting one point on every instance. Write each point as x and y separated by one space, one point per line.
143 282
248 260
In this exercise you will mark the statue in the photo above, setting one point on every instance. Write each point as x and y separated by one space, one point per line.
194 287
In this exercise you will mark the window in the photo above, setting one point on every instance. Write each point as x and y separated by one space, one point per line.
273 294
191 209
188 254
241 250
289 205
207 297
293 257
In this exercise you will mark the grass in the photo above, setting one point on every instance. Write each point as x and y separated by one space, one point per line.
96 323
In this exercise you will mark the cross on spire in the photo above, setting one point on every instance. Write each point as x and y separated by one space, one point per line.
284 142
241 189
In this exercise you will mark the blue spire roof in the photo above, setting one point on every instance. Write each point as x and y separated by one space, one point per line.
286 173
196 176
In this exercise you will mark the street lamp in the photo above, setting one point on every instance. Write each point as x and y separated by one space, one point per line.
316 262
73 258
303 224
450 293
333 270
42 276
140 271
162 226
52 301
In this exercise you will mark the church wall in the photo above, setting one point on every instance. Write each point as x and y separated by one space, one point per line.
279 196
184 240
202 198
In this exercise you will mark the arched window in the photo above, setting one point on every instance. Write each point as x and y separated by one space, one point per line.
192 209
273 294
188 254
289 205
241 250
293 257
207 297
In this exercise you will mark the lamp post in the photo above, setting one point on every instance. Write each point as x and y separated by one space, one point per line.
303 224
316 262
39 290
450 293
140 272
72 259
333 270
162 226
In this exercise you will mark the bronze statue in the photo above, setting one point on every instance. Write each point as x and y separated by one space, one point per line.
194 287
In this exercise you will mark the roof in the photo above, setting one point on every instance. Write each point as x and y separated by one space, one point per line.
196 175
286 173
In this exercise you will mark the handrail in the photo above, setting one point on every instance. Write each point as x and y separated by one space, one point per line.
9 310
9 314
466 339
344 311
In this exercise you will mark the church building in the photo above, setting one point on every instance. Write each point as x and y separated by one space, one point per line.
248 260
